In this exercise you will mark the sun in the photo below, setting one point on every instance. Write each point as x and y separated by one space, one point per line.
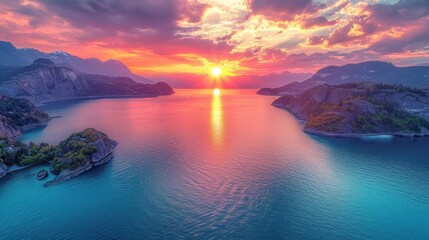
216 72
216 91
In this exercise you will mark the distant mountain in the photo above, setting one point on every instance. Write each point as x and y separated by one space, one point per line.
269 80
377 72
11 57
354 109
185 80
44 81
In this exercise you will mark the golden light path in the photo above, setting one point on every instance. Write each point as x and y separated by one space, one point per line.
216 121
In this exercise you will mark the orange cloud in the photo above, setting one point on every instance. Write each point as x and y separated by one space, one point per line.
246 36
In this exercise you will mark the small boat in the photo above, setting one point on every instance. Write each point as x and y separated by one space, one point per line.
42 174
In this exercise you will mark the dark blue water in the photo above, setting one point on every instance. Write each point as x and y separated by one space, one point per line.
197 165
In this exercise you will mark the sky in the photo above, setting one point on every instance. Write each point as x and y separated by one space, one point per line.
242 37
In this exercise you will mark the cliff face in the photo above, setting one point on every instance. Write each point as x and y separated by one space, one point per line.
17 115
361 109
43 81
105 147
8 130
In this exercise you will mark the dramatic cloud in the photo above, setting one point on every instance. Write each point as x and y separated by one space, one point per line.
416 39
126 14
375 21
281 9
320 21
244 36
399 13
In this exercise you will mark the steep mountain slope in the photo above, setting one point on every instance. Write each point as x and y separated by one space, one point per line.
44 81
10 56
17 115
377 72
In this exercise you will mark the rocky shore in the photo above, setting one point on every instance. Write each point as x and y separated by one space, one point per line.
3 169
361 109
71 162
19 115
68 174
423 133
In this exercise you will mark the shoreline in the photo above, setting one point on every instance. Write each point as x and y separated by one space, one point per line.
45 103
34 126
82 169
349 135
360 135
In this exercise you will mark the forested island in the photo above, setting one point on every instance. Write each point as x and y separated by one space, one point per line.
71 157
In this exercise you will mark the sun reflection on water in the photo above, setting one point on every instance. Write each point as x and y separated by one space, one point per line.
216 119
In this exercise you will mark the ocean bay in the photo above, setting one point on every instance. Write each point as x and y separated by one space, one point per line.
199 165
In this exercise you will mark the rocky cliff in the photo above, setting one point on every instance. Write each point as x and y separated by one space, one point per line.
17 115
3 169
363 108
44 81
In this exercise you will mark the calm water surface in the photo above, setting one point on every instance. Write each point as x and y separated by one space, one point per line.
196 165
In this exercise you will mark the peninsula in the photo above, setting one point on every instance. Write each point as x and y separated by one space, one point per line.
357 109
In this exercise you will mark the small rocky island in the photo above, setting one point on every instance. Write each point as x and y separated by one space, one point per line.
357 109
77 154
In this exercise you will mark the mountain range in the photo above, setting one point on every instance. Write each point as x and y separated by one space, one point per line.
372 71
186 80
12 58
44 81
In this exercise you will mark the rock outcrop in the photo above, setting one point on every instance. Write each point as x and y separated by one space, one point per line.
364 108
44 81
80 153
3 169
17 115
77 154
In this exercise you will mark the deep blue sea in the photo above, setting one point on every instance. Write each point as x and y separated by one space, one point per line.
201 166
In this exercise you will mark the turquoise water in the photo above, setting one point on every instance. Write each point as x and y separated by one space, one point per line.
197 165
